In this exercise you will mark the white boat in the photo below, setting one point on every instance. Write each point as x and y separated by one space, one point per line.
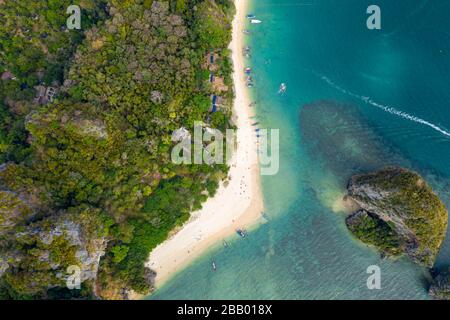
241 232
255 21
283 88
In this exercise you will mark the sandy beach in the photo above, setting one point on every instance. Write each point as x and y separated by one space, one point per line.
237 205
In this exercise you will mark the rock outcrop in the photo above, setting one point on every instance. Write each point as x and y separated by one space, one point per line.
440 288
19 202
13 210
399 213
44 250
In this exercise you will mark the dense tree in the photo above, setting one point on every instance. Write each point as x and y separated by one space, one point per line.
212 26
103 147
33 36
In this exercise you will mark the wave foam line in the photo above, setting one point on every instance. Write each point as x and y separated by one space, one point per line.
388 109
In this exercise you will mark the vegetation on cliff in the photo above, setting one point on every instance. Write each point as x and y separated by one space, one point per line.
373 231
95 161
401 213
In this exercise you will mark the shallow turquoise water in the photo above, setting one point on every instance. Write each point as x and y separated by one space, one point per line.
324 52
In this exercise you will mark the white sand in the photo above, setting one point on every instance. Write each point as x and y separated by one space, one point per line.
239 204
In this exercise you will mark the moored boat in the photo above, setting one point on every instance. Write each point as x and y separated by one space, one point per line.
241 233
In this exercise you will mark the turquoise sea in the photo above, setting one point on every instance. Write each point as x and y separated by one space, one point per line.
356 100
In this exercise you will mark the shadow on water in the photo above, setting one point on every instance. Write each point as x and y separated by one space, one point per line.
345 143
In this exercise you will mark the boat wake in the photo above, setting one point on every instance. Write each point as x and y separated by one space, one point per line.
388 109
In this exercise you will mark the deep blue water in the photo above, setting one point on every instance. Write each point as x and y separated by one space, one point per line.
389 95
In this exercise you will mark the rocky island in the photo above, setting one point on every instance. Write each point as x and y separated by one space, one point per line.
399 214
440 287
